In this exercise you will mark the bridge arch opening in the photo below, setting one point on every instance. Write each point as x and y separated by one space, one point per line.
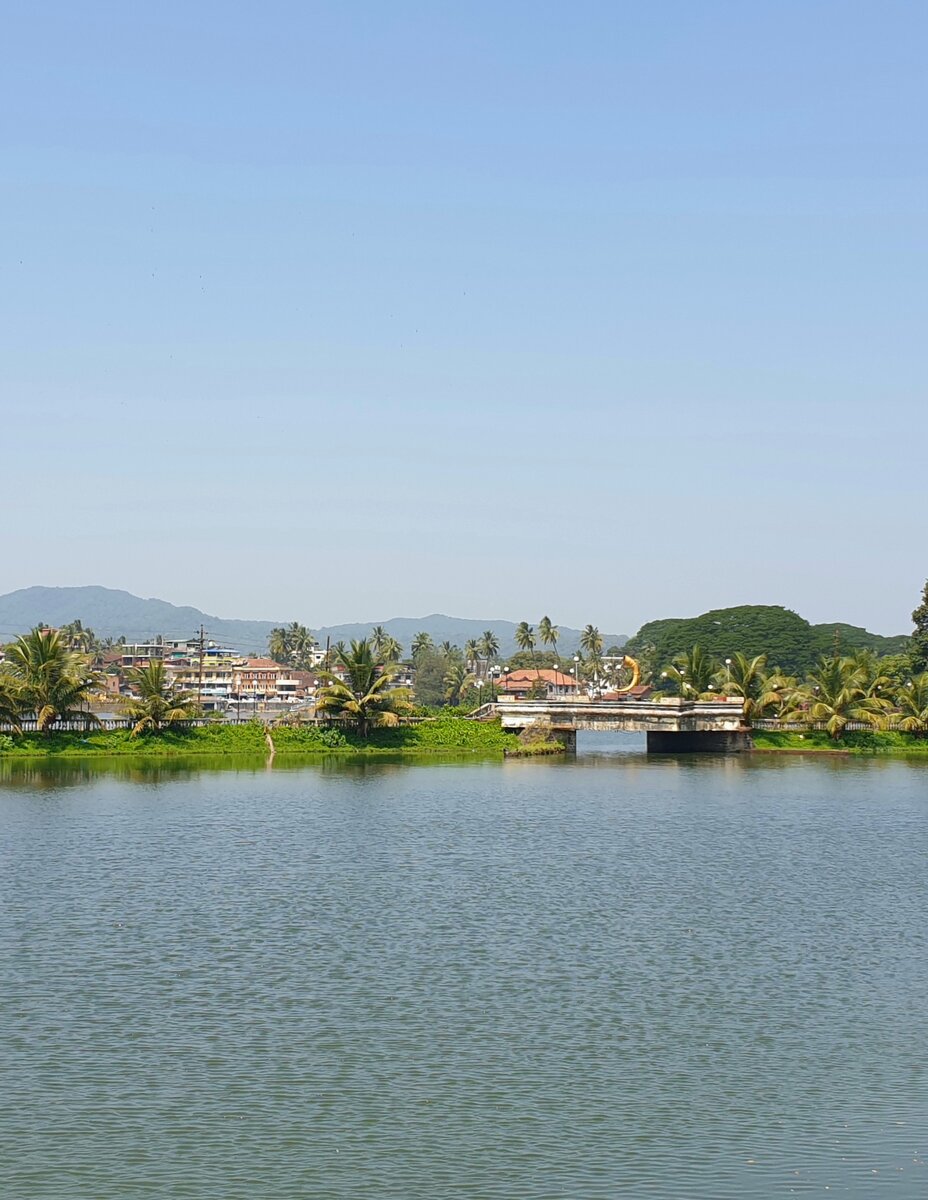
610 743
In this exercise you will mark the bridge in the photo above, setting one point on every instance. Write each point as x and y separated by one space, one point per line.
673 726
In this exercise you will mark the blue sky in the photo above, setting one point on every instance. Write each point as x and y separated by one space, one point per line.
612 311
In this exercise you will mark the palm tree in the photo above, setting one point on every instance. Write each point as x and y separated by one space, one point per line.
378 637
55 682
694 673
390 651
471 654
912 702
158 704
278 645
363 695
10 701
760 690
76 637
457 680
835 693
420 643
549 634
591 641
488 647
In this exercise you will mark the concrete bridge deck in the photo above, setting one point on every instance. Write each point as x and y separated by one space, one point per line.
672 725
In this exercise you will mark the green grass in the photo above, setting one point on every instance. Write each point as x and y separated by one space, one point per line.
860 742
443 735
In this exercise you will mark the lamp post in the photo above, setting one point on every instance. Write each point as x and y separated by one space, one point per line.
577 673
728 671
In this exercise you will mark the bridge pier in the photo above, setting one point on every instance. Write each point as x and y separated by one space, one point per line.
567 738
706 741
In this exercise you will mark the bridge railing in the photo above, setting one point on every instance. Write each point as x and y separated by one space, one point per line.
801 726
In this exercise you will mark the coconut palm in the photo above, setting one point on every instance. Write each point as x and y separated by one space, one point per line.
525 640
912 702
549 634
835 693
158 703
55 682
471 654
875 680
10 701
761 690
591 642
420 643
390 651
362 695
76 637
488 647
694 673
377 639
278 645
457 680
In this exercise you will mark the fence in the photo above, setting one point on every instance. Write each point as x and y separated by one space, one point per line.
31 725
805 726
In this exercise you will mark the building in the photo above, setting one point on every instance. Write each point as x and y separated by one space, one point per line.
257 678
546 683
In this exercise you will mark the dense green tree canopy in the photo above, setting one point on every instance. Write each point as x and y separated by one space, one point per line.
919 650
788 641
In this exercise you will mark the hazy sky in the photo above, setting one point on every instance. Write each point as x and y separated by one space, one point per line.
344 311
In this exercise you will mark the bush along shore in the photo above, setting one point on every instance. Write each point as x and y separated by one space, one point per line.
443 735
864 741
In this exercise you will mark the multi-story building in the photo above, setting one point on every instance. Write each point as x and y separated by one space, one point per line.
256 678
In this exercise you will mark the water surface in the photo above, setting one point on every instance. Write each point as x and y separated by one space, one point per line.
617 976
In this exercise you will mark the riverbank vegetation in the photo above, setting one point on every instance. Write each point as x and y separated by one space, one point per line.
442 735
864 741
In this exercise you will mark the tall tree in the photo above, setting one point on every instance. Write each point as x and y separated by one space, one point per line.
761 690
421 642
912 702
158 702
918 654
694 673
591 642
378 638
278 645
11 700
55 682
362 694
836 693
390 651
489 648
457 680
549 634
525 640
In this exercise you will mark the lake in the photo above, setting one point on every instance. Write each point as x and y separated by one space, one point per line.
606 977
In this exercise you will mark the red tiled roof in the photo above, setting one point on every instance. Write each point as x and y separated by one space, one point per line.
527 676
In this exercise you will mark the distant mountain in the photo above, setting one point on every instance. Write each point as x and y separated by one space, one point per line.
788 640
112 613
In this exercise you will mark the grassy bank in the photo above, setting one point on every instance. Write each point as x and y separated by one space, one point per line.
862 742
446 735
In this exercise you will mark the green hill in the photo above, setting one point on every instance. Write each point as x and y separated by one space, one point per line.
787 639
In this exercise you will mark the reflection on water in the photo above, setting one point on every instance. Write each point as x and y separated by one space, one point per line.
615 976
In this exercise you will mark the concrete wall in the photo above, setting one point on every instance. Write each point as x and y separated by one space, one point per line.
720 741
